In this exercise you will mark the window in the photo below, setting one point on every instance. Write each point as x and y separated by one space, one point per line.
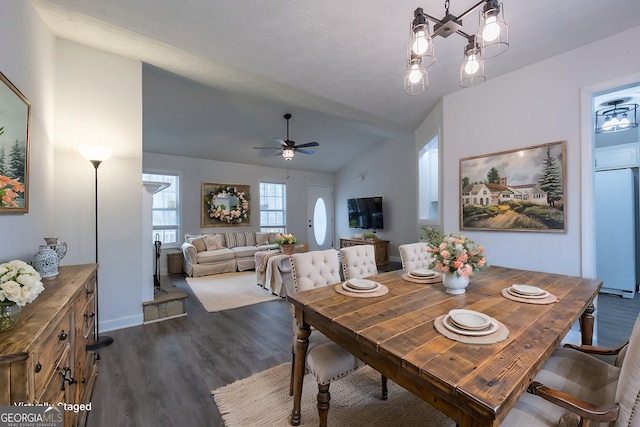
165 209
428 181
273 211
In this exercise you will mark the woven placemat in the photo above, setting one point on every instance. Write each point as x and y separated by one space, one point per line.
542 301
382 291
425 280
500 335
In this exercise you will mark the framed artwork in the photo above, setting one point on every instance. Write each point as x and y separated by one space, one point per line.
15 113
225 205
517 190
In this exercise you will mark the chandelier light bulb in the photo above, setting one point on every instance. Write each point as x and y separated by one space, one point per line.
420 43
491 29
472 65
624 122
415 74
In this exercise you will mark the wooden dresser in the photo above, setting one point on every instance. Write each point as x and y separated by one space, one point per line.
380 248
43 359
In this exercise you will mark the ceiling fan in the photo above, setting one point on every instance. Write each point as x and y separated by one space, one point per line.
288 147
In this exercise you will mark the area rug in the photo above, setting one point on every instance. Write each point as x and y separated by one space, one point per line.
229 290
263 400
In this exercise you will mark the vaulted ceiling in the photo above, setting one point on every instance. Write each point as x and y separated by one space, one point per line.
219 75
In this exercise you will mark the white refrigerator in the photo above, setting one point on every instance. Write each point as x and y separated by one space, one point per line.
615 219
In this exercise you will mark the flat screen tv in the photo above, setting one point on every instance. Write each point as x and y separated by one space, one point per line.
366 212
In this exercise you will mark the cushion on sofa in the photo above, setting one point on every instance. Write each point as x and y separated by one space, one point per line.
235 239
215 256
262 238
212 242
244 251
198 243
249 238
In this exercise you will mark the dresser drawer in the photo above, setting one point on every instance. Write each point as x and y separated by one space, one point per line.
50 352
52 392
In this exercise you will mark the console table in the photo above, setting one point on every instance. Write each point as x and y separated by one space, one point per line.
43 359
380 248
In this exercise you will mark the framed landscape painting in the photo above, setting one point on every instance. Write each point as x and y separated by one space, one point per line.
15 112
225 205
517 190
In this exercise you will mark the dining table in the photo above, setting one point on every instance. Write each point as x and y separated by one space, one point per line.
399 333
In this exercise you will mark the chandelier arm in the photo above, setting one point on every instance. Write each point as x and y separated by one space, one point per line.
437 21
472 8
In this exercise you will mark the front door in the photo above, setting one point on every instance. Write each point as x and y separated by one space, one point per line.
319 217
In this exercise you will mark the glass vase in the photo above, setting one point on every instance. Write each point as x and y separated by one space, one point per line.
9 314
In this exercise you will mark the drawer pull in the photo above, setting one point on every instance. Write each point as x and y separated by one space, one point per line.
89 291
63 336
38 367
63 373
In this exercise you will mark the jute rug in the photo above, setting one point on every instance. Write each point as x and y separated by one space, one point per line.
263 400
229 290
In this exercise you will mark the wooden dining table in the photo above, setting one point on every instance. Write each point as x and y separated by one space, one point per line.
474 384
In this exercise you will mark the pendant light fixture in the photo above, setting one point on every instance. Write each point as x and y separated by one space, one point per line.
491 40
617 116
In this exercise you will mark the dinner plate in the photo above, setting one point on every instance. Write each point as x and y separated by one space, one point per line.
453 328
348 288
519 295
468 319
527 290
361 284
422 272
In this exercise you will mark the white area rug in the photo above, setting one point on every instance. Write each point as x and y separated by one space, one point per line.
263 400
229 290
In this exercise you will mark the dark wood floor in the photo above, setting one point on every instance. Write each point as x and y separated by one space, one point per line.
162 374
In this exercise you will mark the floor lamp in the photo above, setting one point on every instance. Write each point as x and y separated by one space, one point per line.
96 155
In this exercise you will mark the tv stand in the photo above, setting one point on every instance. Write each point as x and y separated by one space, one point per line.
380 248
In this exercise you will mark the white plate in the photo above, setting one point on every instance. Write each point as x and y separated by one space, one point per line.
527 290
519 295
468 319
422 272
453 328
361 284
348 288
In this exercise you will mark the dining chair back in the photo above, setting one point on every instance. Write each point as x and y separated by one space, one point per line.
358 261
414 256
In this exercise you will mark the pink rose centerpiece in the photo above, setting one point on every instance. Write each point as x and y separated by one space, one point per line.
457 257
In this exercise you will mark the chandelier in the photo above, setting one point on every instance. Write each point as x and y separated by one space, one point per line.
491 40
616 117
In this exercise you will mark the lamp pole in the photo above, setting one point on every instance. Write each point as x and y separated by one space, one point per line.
96 155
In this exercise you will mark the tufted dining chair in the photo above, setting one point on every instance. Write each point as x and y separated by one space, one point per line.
358 261
326 360
578 387
414 256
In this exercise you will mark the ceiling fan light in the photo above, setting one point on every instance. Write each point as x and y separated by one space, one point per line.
494 31
288 153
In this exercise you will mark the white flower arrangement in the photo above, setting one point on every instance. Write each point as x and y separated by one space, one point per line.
20 283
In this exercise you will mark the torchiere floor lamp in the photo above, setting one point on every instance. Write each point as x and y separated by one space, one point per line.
96 155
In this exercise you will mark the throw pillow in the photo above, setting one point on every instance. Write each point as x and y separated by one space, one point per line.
199 244
231 239
212 243
272 238
262 238
250 238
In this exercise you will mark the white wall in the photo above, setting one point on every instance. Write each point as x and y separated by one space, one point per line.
26 59
99 101
534 105
389 171
193 172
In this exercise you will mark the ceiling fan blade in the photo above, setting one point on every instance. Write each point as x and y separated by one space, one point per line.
299 150
308 144
281 142
267 148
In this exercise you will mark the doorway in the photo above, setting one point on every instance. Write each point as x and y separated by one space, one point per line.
319 217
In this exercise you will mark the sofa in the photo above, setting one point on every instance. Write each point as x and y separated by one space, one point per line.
209 253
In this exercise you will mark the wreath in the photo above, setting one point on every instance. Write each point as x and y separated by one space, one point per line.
222 213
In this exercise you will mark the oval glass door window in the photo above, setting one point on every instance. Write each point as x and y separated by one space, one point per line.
320 222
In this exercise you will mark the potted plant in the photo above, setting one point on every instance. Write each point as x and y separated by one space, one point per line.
20 284
369 235
286 242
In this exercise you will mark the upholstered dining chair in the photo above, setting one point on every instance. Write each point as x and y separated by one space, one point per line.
358 261
326 360
580 388
414 256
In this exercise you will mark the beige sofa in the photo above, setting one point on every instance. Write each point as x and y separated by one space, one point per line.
210 253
